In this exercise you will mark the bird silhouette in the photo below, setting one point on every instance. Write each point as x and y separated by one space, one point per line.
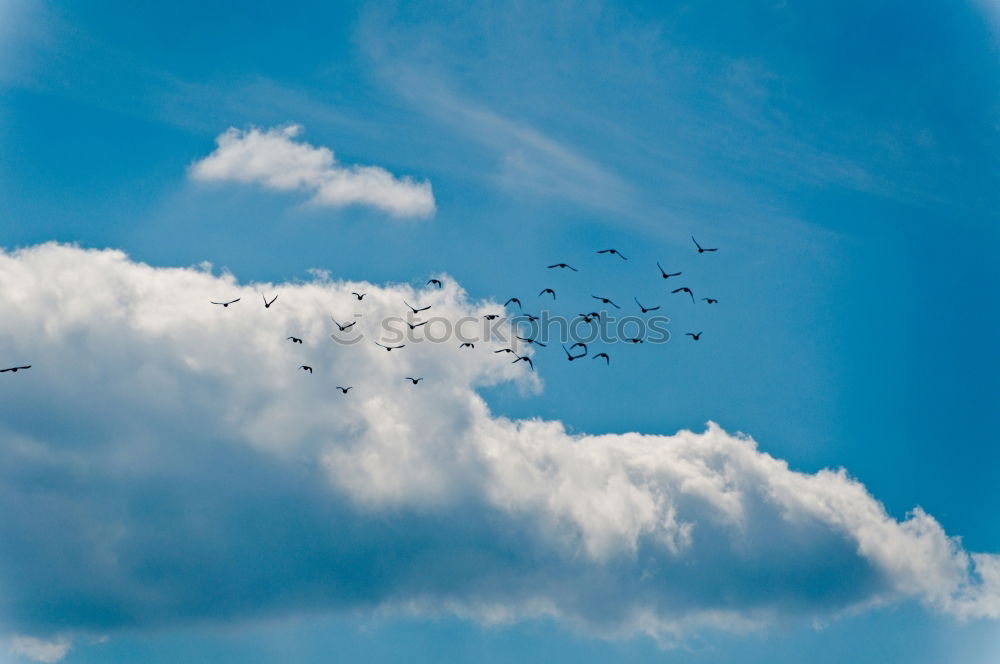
710 300
467 344
226 304
414 380
684 289
414 326
343 328
360 296
491 316
700 249
570 356
605 356
579 344
605 301
524 358
563 266
504 350
634 340
549 291
434 282
645 309
693 335
589 318
515 300
15 369
414 309
613 252
530 317
531 341
267 305
345 389
306 367
390 348
295 340
665 274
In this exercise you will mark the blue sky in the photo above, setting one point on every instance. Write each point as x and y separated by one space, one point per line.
843 158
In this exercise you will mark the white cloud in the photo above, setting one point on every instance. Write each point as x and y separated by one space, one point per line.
274 159
38 650
165 460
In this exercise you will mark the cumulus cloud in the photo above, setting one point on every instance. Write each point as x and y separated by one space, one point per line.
165 461
273 159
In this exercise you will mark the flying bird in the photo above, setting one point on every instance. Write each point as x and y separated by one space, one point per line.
530 317
390 348
710 300
570 356
295 340
467 344
414 380
581 345
700 249
306 367
684 289
563 266
434 282
524 358
414 309
226 304
634 340
360 296
504 350
345 389
531 341
491 316
589 318
693 335
15 369
605 356
605 301
645 309
267 305
613 252
665 274
515 300
549 291
343 328
414 326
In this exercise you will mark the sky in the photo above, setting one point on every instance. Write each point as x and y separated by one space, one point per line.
814 477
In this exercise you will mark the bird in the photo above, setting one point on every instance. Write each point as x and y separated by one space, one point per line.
513 299
684 289
414 309
605 301
570 356
345 389
414 326
549 291
504 350
390 348
360 296
693 335
295 340
589 318
645 309
530 317
414 380
491 316
226 304
613 252
605 356
710 300
467 344
563 265
524 358
15 369
700 249
342 327
306 367
665 274
434 282
267 305
531 341
634 340
581 345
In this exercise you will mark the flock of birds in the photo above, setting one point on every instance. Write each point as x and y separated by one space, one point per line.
569 351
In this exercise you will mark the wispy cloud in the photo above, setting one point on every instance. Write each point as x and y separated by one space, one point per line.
39 650
191 471
273 159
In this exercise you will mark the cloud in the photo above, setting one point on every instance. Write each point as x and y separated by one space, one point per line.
164 461
38 650
275 160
